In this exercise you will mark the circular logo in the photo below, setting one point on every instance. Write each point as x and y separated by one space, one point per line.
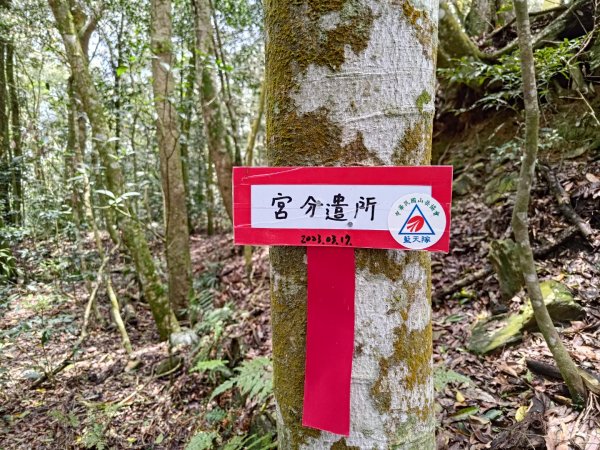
417 221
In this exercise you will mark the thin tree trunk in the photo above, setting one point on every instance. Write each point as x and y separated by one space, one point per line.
133 234
210 198
5 178
17 153
342 90
177 240
216 136
225 86
186 127
255 126
567 367
250 159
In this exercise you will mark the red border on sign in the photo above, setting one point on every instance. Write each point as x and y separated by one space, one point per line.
438 177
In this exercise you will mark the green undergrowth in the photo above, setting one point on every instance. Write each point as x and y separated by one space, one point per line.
556 66
237 385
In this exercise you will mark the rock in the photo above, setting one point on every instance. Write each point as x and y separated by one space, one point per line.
497 331
463 184
500 185
32 375
183 338
504 257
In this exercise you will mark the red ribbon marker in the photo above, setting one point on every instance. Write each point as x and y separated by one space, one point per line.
329 339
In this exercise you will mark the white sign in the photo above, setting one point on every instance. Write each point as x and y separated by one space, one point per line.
417 221
325 206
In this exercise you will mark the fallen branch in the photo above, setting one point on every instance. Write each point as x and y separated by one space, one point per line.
539 252
550 371
564 203
504 27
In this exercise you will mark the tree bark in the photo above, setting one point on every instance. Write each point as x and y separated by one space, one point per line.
211 106
481 18
177 239
15 125
454 41
5 209
564 362
133 234
352 83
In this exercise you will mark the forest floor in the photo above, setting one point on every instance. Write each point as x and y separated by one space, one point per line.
104 400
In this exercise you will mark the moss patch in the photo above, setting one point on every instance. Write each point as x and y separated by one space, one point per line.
412 349
422 100
288 315
341 445
422 25
407 151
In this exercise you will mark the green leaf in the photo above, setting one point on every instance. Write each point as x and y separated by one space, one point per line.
210 365
227 385
464 413
202 441
121 70
106 192
493 414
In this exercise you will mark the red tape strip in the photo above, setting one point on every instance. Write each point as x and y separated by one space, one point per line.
329 339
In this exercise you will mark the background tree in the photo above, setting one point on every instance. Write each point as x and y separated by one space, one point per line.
567 367
177 243
133 234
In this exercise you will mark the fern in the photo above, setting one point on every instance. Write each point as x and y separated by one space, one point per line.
202 441
254 380
210 365
94 438
251 442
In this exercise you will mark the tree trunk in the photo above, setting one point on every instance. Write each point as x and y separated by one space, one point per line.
177 239
567 367
216 136
352 83
454 41
133 234
187 98
17 152
482 17
210 198
5 178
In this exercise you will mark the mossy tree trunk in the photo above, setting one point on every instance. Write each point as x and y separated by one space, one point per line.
16 144
567 367
177 239
454 41
351 82
5 209
215 132
482 17
133 234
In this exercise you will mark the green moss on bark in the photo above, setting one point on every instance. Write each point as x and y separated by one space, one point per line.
288 312
422 25
341 445
412 348
416 136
